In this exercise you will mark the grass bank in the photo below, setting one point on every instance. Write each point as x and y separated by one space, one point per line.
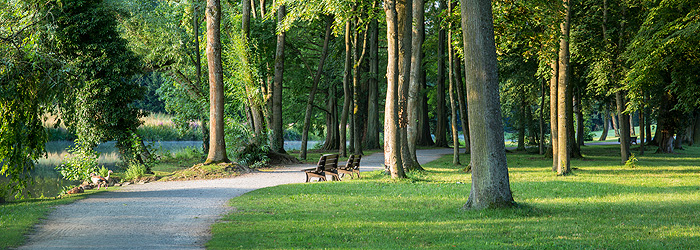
17 218
603 205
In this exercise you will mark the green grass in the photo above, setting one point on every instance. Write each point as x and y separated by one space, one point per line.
603 205
18 217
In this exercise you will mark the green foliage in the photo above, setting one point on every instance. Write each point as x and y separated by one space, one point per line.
631 162
81 162
244 147
135 171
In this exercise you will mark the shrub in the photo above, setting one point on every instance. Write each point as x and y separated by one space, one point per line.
81 162
244 147
135 171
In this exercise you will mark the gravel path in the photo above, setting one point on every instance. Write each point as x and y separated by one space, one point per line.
164 215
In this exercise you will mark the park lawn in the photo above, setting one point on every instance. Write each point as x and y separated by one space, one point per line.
18 217
603 205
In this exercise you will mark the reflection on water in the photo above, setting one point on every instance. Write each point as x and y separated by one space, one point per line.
49 183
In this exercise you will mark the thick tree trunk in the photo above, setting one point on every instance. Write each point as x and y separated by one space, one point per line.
554 112
347 94
564 166
414 100
624 127
392 143
405 18
490 181
277 131
606 123
314 88
358 112
217 145
424 134
372 139
440 128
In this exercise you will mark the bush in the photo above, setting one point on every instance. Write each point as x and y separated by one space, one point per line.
244 147
81 162
135 171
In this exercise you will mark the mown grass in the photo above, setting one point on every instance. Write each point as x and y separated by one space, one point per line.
18 217
602 205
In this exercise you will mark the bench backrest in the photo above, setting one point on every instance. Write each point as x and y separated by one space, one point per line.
356 161
327 161
331 161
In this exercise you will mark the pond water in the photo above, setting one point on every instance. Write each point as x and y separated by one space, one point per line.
49 183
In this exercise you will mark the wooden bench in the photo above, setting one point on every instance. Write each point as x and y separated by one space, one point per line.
327 164
351 167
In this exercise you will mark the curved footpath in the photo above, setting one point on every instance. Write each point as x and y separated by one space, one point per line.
164 215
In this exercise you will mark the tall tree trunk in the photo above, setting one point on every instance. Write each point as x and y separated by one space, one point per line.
392 143
332 133
631 118
579 120
490 181
277 131
414 100
358 114
624 127
452 89
521 125
424 134
372 139
606 123
574 149
462 101
696 128
198 71
440 128
314 88
217 145
563 166
613 117
541 118
554 112
642 133
347 94
405 18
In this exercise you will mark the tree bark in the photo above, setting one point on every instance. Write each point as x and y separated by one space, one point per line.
579 121
563 166
554 112
415 83
631 119
462 101
314 88
452 89
490 181
542 96
606 124
347 94
217 145
642 134
372 139
332 133
521 126
440 128
613 117
696 128
624 127
405 19
277 131
198 71
392 143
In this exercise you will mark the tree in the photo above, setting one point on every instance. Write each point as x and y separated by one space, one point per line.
217 145
441 126
563 95
417 80
490 181
392 137
276 129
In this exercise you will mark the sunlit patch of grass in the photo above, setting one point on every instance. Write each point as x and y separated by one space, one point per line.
602 205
